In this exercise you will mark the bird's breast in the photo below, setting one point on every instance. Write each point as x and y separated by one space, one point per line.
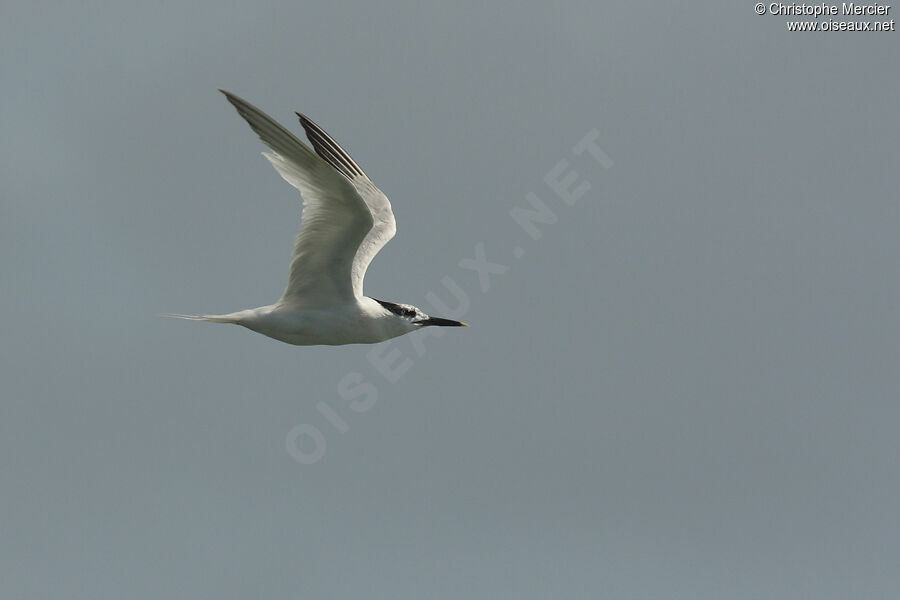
335 326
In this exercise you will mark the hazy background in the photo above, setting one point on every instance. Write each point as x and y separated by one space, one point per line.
688 388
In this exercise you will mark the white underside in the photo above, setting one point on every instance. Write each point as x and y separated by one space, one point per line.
362 321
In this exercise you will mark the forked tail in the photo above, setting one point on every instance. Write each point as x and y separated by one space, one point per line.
232 318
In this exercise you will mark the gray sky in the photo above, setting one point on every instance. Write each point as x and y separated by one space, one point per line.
686 388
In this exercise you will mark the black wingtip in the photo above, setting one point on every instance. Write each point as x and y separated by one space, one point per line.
329 150
306 121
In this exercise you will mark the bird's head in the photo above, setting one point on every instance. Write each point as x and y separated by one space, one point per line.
416 318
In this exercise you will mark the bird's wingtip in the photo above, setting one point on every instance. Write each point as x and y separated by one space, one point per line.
231 97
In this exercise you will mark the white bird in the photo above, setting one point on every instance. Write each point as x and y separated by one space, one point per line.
345 221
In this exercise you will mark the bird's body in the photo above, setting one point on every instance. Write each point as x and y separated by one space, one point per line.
363 321
346 221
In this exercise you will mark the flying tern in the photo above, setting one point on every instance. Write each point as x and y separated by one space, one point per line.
345 221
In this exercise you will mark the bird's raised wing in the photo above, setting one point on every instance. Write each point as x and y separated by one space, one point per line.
338 220
383 224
